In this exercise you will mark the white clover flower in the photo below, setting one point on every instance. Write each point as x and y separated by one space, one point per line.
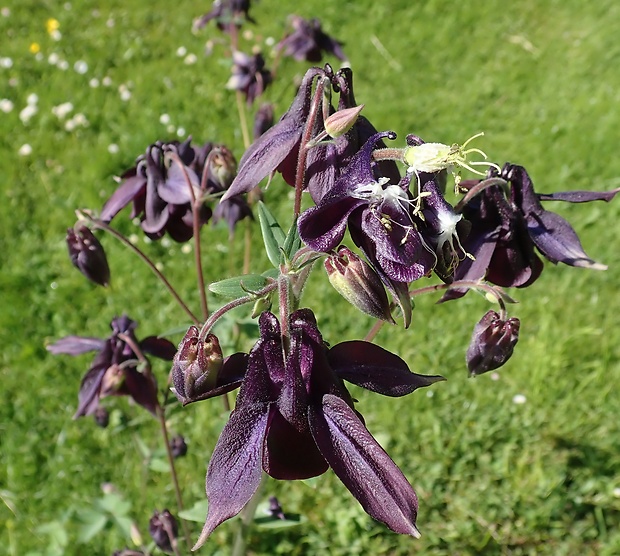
80 67
32 99
113 148
53 59
62 110
93 83
25 150
6 105
63 65
190 59
6 62
80 119
106 81
164 119
5 12
181 51
519 399
27 112
181 132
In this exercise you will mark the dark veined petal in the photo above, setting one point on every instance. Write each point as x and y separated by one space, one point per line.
126 192
374 368
323 227
76 345
266 154
88 396
141 388
579 196
235 468
158 347
557 240
363 466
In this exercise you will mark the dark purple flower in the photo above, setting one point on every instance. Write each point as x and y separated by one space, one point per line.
278 148
159 190
275 510
164 530
114 371
506 227
87 254
294 418
178 446
492 343
380 217
249 75
308 41
263 120
227 14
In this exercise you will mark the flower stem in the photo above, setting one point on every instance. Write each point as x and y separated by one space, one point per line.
175 480
247 517
243 120
196 231
103 226
303 148
477 189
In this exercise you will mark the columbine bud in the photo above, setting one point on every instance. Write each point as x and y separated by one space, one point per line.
222 166
196 365
87 254
102 417
342 121
358 283
178 447
164 529
492 343
275 510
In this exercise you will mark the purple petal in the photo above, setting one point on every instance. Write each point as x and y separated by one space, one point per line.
75 345
557 240
175 189
158 347
363 466
235 468
374 368
88 397
125 193
141 388
323 227
579 196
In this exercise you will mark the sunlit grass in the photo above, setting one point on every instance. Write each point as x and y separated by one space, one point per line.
523 462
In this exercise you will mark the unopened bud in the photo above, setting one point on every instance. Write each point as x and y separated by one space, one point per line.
102 417
178 447
113 380
196 365
164 529
222 166
87 254
492 343
358 283
342 121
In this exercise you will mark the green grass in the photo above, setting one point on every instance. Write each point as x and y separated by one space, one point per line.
493 477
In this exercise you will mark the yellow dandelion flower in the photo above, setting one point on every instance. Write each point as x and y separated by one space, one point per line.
52 24
34 48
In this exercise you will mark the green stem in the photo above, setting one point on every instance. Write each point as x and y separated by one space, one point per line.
103 226
247 517
243 120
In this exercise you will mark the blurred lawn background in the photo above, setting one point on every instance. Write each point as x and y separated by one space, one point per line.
539 77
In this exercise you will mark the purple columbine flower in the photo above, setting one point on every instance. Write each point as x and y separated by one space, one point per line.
506 227
380 216
87 254
114 371
278 148
249 75
294 419
158 188
227 14
308 41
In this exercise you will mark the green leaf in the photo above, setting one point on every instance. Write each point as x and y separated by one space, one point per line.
159 465
92 524
269 522
197 513
239 286
113 503
273 236
292 242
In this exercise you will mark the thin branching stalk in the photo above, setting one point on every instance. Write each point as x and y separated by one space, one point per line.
104 226
243 120
247 517
196 233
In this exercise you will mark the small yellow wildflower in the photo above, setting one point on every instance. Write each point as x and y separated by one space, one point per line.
34 48
52 24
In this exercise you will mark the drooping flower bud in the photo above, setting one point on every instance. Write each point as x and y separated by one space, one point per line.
102 417
492 343
164 529
196 365
275 510
87 254
178 447
358 283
